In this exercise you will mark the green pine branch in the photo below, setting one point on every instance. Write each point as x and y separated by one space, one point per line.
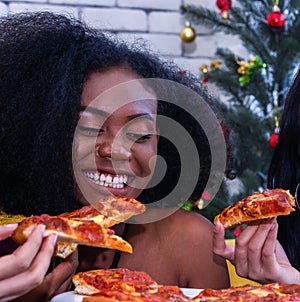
251 107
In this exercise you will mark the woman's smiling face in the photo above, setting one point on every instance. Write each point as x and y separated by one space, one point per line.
116 142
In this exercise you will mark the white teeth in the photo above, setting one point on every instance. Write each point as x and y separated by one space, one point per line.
116 181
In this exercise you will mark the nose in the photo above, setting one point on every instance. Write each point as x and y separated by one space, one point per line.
112 149
104 150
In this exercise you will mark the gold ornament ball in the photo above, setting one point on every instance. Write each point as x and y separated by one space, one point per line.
204 68
188 34
225 15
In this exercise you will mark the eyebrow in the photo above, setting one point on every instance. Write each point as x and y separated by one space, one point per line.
94 110
106 114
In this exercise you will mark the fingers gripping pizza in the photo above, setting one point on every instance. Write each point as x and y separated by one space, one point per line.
86 226
260 205
83 232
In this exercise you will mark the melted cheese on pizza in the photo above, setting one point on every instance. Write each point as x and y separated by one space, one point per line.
260 205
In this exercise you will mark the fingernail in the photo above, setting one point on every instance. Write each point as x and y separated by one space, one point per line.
41 228
10 225
273 226
53 239
217 226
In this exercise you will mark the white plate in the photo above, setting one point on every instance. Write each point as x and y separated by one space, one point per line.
191 292
72 297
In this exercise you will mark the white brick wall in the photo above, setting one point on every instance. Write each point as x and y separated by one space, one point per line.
170 5
116 19
18 7
3 9
155 20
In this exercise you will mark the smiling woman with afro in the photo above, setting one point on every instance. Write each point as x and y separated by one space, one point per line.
44 61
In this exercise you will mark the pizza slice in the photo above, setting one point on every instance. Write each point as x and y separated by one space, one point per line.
167 293
124 285
114 285
163 294
231 294
260 205
115 296
84 232
249 293
109 211
118 280
64 249
105 212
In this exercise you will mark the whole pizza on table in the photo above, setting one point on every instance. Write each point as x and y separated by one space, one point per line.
109 285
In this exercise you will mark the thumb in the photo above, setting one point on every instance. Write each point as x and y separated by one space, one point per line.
220 247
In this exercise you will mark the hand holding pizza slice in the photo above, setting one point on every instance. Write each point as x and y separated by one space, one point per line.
86 226
84 232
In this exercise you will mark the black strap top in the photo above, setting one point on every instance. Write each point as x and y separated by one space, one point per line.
118 253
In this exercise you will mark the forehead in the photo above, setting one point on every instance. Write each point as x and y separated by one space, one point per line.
118 88
138 109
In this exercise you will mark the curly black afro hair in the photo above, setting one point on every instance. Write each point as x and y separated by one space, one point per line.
44 61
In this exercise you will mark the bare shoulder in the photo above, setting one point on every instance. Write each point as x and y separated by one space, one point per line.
189 229
191 222
190 237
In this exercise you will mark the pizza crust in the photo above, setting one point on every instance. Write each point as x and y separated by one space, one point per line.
108 211
260 205
84 232
86 226
65 249
111 285
117 279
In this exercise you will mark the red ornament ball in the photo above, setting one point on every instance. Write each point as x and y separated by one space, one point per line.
237 232
276 19
273 140
206 195
223 5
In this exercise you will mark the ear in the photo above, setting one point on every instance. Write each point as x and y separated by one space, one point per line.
157 134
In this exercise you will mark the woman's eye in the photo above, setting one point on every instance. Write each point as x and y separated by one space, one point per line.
88 131
139 138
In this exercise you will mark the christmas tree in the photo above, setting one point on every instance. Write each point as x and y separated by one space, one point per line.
255 87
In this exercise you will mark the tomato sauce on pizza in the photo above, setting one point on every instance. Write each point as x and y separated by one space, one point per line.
113 285
89 225
260 205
